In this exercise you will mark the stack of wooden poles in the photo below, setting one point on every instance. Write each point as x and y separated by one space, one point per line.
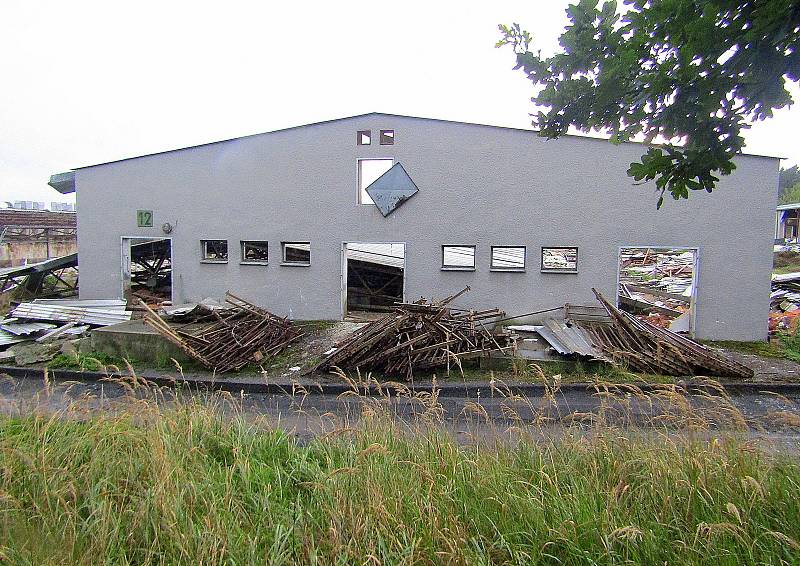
641 346
237 335
418 336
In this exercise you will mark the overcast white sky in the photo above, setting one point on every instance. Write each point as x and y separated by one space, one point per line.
85 81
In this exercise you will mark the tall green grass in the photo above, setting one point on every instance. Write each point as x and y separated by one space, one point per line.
187 486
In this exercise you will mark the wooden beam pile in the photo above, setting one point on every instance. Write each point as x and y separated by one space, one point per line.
238 335
646 348
418 336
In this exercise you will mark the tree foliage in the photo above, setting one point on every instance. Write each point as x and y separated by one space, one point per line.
788 178
790 195
692 72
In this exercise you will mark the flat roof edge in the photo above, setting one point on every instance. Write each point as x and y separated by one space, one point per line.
64 183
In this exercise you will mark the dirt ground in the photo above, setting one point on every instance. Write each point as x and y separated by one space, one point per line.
768 369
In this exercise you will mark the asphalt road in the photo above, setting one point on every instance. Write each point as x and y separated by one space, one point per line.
761 415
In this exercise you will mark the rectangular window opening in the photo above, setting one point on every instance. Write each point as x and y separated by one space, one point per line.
369 170
296 253
508 258
387 137
458 258
363 137
214 250
659 285
255 251
560 260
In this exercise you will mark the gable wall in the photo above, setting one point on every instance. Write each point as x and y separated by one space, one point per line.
478 185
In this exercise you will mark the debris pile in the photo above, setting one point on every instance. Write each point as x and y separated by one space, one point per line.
644 347
418 336
56 277
784 302
204 311
47 319
51 320
150 276
232 337
99 312
657 285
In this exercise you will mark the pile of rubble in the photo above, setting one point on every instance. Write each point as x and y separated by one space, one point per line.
657 285
606 334
640 346
784 302
52 321
225 338
419 336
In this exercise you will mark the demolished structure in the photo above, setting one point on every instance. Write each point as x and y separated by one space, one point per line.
428 335
45 320
420 336
227 339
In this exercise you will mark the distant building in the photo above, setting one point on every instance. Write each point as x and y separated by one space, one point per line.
28 205
787 217
62 207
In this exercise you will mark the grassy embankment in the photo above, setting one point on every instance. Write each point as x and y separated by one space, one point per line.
785 262
185 485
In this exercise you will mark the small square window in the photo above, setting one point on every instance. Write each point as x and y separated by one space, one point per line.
508 258
214 250
255 252
364 137
560 260
458 258
296 253
368 172
387 137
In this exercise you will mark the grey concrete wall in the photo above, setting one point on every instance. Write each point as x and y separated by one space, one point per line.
478 185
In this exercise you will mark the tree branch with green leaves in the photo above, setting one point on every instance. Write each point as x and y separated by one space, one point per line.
692 73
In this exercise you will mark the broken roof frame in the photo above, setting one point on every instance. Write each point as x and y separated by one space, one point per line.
32 278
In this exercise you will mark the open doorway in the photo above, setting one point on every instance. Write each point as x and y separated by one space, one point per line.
373 276
147 269
659 285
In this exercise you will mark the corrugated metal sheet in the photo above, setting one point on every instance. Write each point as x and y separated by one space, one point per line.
84 303
70 260
25 328
568 339
68 311
392 255
6 338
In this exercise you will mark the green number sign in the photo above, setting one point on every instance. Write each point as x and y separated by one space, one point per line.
144 218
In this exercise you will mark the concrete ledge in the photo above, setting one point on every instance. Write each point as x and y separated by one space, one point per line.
134 340
469 389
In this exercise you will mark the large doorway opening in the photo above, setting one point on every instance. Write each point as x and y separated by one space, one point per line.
374 276
147 270
659 285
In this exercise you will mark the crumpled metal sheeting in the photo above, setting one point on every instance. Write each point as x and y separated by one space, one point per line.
6 338
88 312
26 328
567 339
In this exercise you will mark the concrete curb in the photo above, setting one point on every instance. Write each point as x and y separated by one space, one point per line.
469 389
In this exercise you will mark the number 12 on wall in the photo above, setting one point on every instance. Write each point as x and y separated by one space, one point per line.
144 218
